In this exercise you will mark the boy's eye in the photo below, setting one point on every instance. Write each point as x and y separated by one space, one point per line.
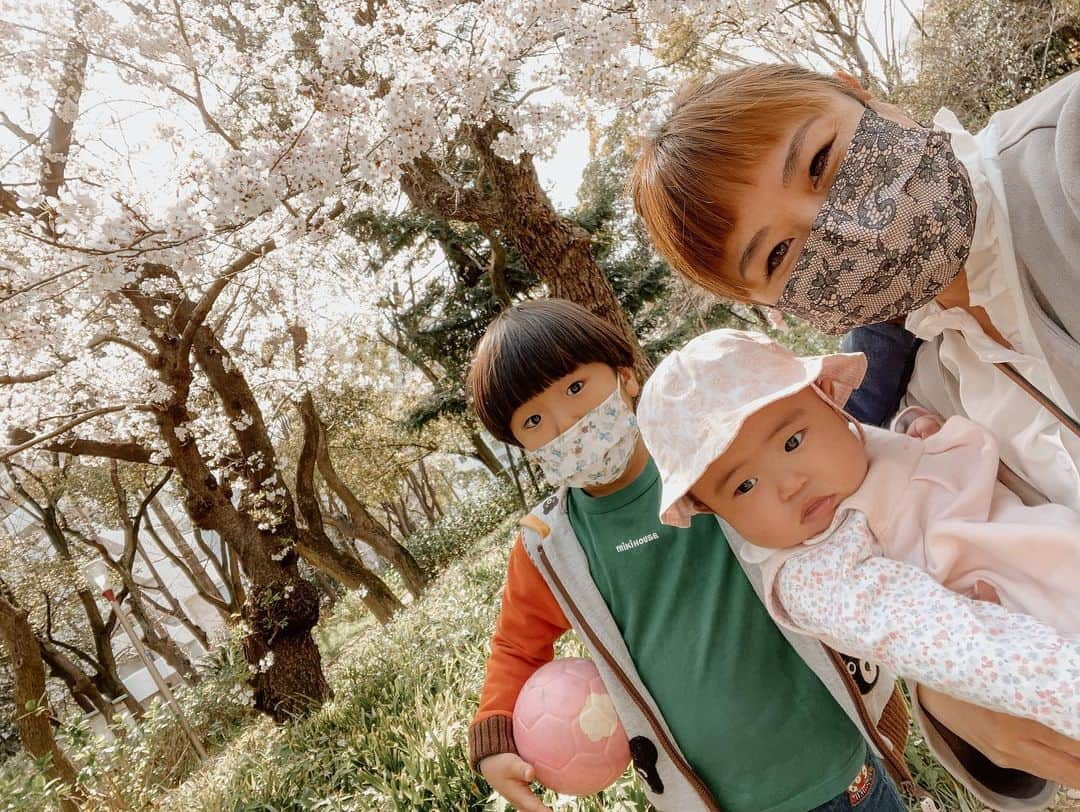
794 441
532 421
820 163
776 256
575 387
746 485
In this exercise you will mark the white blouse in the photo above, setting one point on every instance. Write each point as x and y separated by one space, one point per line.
955 374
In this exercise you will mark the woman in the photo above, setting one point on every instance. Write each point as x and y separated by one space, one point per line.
791 189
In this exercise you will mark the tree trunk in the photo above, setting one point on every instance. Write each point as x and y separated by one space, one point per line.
192 566
326 584
487 456
156 637
236 581
226 567
406 526
78 682
313 543
366 527
413 484
454 495
555 248
31 708
517 479
175 609
106 676
425 480
351 572
393 522
532 474
282 683
281 608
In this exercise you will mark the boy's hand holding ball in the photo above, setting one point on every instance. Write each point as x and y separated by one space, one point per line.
567 733
510 776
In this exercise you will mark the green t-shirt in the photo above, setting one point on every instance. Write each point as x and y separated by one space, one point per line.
749 715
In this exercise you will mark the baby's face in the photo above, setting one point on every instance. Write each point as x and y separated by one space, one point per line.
791 464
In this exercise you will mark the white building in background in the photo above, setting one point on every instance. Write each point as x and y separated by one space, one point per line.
133 673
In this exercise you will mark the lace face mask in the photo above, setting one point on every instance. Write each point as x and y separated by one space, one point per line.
894 231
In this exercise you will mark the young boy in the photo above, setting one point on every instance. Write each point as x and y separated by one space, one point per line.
723 710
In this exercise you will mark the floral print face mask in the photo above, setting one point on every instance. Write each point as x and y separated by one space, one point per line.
894 231
595 450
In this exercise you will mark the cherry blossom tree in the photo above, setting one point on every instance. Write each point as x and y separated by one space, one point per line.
173 177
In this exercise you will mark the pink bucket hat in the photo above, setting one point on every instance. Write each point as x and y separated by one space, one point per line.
696 401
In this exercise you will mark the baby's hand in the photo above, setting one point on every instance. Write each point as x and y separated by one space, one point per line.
915 421
510 776
924 426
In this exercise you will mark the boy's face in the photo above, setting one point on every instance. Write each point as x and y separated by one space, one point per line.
786 191
791 464
544 417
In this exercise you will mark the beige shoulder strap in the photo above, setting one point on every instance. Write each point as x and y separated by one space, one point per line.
1060 414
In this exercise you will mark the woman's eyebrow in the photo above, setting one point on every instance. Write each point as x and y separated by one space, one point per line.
790 162
748 252
793 149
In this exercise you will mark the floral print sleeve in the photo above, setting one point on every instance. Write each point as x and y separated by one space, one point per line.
847 594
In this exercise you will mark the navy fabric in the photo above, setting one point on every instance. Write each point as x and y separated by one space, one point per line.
883 795
890 355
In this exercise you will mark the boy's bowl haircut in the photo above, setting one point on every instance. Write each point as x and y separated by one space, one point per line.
531 345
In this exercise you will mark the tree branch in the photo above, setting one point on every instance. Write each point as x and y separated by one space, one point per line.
206 303
62 122
199 101
146 501
97 341
61 430
29 377
125 452
29 138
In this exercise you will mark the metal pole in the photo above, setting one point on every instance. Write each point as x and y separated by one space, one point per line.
148 661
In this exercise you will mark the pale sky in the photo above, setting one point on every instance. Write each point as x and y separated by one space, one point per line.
561 175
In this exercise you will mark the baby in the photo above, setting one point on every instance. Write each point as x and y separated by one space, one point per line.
870 540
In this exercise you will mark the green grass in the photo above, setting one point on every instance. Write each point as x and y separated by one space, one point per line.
392 738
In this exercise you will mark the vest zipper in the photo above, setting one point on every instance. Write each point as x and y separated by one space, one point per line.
896 761
669 747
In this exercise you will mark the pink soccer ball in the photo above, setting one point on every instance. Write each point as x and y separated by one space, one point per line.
566 727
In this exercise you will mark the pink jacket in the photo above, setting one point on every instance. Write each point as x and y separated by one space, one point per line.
931 514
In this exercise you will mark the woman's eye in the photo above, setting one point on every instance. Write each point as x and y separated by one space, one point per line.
820 163
532 421
746 485
575 387
794 441
776 256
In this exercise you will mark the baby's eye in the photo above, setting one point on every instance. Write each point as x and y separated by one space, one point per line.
532 421
575 387
820 163
746 485
776 256
794 441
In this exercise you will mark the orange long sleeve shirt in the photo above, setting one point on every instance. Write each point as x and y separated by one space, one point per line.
530 621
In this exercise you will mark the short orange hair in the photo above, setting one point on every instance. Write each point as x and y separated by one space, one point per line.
686 182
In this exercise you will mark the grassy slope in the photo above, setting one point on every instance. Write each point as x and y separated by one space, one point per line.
393 737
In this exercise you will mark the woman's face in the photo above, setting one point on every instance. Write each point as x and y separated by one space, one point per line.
785 193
